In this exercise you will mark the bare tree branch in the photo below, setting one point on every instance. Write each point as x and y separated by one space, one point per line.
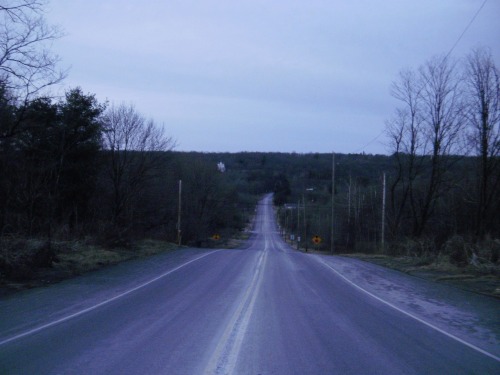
136 147
482 79
425 132
27 66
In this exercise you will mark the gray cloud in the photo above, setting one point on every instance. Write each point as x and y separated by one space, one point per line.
262 75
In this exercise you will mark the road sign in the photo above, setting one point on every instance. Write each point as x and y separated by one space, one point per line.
316 240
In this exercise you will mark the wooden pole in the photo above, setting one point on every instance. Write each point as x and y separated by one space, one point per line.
297 235
179 234
382 236
332 242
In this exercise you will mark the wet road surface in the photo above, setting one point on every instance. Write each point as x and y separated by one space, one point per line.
261 309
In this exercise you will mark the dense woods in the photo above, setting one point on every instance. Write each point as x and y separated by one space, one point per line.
75 168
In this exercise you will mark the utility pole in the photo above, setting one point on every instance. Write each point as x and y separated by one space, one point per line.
287 224
306 242
382 237
349 201
179 215
332 243
298 223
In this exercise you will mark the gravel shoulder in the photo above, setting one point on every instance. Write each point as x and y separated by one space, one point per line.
466 278
468 315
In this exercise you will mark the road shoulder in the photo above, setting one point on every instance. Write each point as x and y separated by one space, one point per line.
467 315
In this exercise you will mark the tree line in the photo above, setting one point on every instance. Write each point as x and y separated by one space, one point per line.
447 109
442 175
74 168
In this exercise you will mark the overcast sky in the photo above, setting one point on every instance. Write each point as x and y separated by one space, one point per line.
263 75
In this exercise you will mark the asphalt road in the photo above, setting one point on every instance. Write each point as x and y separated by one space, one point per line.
262 309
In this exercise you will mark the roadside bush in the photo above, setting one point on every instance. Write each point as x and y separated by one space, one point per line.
112 236
462 252
20 258
365 247
458 251
495 251
422 247
489 249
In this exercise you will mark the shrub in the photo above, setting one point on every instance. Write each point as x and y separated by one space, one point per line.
365 247
422 247
489 249
20 258
457 250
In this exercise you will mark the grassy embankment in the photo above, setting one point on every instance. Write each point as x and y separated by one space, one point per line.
28 263
472 267
484 280
31 263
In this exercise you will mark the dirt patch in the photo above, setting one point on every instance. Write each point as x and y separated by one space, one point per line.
468 277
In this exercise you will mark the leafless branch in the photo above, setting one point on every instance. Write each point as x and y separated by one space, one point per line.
27 65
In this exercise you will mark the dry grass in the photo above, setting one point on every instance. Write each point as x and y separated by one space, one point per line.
455 277
65 259
441 269
88 259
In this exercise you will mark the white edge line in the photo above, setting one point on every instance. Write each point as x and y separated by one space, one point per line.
472 346
88 309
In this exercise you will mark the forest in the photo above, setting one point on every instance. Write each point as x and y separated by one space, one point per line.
75 169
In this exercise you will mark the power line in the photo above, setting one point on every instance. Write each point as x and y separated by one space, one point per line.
369 143
450 51
466 28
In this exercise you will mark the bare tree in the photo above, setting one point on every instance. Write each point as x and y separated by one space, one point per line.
443 120
483 116
136 148
27 65
424 133
407 142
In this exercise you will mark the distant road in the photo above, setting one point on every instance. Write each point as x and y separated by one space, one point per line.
261 309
